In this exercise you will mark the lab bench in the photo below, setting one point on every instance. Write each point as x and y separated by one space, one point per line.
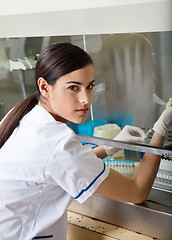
149 219
86 228
153 218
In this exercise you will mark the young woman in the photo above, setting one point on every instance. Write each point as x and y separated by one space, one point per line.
43 166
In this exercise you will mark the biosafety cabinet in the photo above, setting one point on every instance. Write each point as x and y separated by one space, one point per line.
131 47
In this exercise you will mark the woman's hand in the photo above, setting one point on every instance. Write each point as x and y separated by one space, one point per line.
130 134
165 120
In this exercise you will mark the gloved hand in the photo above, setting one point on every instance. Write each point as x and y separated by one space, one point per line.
169 103
129 134
165 120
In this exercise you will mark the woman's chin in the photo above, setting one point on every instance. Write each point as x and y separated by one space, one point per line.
79 121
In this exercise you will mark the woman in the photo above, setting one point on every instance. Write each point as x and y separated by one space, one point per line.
43 166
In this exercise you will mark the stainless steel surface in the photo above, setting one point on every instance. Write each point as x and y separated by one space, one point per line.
150 218
154 217
125 145
160 196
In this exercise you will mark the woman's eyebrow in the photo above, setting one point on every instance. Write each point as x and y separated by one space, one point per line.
73 82
79 83
92 81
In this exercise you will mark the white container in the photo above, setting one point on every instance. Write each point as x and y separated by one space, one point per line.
109 131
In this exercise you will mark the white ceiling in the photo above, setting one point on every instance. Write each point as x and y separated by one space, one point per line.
23 18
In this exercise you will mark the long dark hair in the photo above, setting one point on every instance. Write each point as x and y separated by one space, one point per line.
53 62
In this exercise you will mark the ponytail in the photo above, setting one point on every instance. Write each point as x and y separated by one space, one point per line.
12 120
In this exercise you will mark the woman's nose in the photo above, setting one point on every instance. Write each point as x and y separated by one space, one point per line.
84 97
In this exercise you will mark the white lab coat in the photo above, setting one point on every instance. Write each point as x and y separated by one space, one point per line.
43 167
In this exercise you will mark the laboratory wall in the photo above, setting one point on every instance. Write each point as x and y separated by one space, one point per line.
132 73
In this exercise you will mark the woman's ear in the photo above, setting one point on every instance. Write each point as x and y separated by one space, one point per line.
43 87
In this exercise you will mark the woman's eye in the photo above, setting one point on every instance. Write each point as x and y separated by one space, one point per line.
91 86
73 88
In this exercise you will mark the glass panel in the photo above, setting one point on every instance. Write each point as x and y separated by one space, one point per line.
132 73
133 76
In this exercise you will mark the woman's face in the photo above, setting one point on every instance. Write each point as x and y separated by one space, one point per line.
69 99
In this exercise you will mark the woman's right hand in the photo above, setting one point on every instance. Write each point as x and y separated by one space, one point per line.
130 134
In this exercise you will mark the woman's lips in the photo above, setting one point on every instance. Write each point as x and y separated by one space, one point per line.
83 110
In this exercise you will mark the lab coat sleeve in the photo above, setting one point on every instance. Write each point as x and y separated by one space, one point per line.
76 168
